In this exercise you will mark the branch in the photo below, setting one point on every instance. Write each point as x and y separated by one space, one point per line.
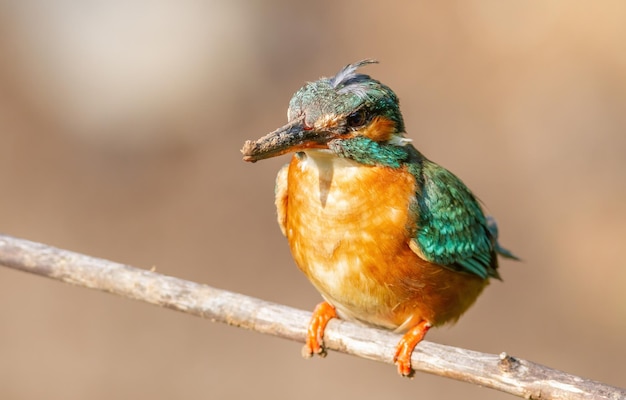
508 374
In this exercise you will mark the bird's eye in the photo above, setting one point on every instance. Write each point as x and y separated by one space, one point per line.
357 119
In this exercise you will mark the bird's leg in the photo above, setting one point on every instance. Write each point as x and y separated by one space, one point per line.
405 347
323 313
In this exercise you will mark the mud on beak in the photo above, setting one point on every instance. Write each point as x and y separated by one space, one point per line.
294 136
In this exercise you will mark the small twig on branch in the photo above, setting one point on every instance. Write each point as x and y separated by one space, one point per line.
508 374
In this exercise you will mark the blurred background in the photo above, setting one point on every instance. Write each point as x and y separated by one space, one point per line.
120 129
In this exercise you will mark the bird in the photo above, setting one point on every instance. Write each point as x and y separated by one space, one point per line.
388 237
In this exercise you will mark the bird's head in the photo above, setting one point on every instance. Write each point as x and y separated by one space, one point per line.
332 112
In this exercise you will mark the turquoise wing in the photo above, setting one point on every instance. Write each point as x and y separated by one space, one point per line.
451 228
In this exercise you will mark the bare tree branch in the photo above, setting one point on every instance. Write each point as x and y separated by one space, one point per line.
508 374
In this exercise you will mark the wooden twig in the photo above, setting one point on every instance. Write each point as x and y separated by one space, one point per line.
508 374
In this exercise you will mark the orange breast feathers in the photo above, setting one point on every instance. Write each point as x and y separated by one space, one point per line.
349 227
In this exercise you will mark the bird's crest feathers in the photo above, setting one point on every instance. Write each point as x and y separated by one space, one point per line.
348 74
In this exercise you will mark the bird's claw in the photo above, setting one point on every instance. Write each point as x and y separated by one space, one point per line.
323 313
404 350
403 362
311 349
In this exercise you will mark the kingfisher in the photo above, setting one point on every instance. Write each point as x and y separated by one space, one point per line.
389 238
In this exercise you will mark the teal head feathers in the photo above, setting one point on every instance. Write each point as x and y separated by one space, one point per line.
350 114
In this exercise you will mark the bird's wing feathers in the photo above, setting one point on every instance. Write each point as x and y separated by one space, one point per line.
451 228
281 198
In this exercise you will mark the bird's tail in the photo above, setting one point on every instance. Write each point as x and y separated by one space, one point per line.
493 229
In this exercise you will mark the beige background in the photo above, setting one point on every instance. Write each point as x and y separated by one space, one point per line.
120 129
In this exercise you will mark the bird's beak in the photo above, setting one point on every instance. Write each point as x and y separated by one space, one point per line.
292 137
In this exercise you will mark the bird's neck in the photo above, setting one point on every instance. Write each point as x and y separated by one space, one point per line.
366 151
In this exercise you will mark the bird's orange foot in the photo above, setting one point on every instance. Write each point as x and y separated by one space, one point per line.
323 313
405 348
